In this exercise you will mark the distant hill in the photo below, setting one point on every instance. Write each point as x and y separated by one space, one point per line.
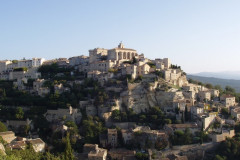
218 81
223 75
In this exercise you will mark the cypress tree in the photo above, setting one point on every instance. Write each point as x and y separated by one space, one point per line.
68 153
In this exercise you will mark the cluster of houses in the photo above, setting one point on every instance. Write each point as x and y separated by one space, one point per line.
21 143
171 92
18 69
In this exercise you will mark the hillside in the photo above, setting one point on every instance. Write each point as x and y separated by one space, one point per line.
218 81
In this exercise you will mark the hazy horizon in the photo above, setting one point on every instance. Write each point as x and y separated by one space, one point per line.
200 36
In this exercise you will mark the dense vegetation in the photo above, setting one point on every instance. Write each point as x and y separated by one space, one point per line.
154 117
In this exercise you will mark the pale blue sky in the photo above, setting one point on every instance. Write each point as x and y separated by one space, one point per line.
199 35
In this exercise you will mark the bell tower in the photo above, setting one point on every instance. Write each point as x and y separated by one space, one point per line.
121 45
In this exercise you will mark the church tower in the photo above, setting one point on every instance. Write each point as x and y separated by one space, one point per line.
120 45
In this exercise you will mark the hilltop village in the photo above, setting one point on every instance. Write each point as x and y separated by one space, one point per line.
113 104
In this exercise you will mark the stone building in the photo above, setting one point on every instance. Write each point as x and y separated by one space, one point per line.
59 114
18 125
99 154
97 54
31 73
127 135
38 144
222 136
171 128
78 60
235 112
204 95
8 136
112 137
164 63
121 53
228 100
121 154
94 152
102 66
3 65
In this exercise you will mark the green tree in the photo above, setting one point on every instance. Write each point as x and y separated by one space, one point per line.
141 156
168 121
3 128
68 153
116 115
224 111
49 156
19 114
208 85
72 127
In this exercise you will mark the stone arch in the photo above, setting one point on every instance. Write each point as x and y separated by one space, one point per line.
128 55
119 55
133 55
124 55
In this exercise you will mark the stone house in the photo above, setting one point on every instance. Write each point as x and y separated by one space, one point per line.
18 126
148 136
37 84
130 70
93 74
19 84
89 147
204 95
214 92
43 91
127 135
112 137
17 145
164 63
222 136
180 104
235 112
208 119
228 100
39 89
196 111
24 63
143 69
96 54
8 136
191 87
98 154
102 66
171 128
62 62
38 144
3 65
37 62
121 154
60 88
94 152
58 115
31 73
75 61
